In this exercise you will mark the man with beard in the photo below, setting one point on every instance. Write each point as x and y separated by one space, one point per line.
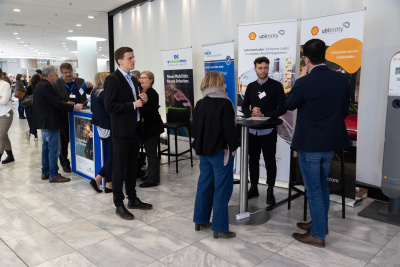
74 90
264 97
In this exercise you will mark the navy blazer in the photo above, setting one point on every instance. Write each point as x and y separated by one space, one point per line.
322 99
118 101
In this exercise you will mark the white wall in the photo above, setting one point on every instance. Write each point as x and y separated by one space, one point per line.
102 65
174 24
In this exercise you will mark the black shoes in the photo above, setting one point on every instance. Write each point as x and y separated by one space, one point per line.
198 225
8 159
253 192
270 196
137 204
226 235
147 184
94 186
107 190
122 212
66 168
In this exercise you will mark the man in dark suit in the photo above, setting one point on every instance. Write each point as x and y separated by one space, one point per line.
47 112
74 90
123 101
266 98
322 99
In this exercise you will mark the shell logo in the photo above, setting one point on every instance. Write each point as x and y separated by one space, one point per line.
394 59
252 35
314 30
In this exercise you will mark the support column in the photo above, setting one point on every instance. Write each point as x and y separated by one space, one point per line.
87 58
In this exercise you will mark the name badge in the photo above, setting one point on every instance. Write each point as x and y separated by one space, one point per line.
81 91
262 95
72 96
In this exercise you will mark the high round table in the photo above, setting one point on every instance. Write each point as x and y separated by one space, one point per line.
260 215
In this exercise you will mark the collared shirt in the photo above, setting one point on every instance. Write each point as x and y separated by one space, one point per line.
263 131
128 77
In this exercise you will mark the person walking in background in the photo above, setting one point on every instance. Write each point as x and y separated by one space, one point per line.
28 109
47 116
215 141
19 86
101 119
6 118
322 99
153 127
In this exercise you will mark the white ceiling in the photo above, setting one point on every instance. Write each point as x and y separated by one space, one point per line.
43 26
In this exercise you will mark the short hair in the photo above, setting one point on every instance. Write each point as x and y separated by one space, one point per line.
39 71
66 66
120 52
47 70
315 50
135 73
34 80
99 79
213 79
260 60
149 74
18 78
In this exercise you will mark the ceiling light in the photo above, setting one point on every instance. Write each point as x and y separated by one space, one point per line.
78 25
70 31
17 10
63 43
18 38
90 17
25 45
15 33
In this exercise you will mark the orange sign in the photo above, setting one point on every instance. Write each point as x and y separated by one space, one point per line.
346 53
252 35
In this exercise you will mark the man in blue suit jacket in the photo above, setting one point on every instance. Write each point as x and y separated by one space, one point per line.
322 99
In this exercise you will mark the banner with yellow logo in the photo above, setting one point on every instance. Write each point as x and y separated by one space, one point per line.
343 36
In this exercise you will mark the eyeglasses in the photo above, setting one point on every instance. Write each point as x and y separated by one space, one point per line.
142 78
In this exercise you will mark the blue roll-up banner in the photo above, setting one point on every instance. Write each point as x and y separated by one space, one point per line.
220 57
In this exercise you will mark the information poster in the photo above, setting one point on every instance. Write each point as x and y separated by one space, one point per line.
220 57
84 149
178 81
278 42
343 36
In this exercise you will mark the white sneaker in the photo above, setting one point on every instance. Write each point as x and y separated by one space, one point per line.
28 135
36 139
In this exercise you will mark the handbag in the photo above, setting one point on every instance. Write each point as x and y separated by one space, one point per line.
19 94
27 101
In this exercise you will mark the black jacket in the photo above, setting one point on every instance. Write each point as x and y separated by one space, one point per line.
152 122
322 99
118 100
214 126
48 107
272 105
100 117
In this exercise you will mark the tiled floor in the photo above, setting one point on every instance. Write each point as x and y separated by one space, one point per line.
43 224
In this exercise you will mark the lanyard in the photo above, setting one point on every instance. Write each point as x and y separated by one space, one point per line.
72 87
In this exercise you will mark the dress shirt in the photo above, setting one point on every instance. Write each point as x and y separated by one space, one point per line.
128 77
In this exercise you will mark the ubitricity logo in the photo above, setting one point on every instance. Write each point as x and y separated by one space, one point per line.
331 30
253 35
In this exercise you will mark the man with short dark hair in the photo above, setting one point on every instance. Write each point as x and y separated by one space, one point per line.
266 98
123 101
47 112
322 99
74 90
39 72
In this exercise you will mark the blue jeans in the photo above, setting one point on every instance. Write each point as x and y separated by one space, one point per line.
214 190
315 168
20 108
50 152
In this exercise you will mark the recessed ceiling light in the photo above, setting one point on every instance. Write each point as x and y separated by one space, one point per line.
63 43
17 10
15 33
90 17
25 45
70 31
78 25
17 38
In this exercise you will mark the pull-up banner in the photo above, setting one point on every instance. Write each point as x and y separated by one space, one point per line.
220 57
343 36
178 81
278 42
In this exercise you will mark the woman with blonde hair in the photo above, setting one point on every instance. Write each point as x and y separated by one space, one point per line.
6 118
101 119
215 141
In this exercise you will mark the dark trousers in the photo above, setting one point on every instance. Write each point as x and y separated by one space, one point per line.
106 169
125 154
151 144
266 144
32 129
64 141
20 108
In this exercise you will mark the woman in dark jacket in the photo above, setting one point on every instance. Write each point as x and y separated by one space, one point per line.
19 86
28 110
153 127
215 141
101 119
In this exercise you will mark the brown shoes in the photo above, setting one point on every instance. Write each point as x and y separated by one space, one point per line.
226 235
309 239
307 226
59 179
45 177
198 225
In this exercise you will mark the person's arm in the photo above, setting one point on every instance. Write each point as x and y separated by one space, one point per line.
280 100
54 100
246 104
228 124
6 94
295 97
152 105
111 93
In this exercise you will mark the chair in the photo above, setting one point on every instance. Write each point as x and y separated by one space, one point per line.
177 118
